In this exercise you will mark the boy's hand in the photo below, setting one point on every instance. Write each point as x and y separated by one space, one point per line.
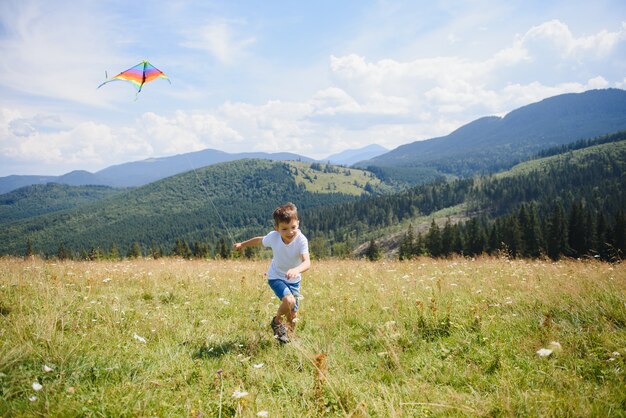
237 246
292 273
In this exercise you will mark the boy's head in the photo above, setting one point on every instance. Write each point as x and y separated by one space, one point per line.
285 214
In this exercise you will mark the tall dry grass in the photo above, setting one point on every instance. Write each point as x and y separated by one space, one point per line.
422 338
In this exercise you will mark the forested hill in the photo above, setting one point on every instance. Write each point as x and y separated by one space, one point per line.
491 144
220 202
590 180
35 200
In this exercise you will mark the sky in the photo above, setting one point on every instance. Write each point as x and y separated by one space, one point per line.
309 77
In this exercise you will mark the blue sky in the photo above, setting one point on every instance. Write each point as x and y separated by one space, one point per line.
313 78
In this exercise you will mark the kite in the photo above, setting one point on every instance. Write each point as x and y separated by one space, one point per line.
140 74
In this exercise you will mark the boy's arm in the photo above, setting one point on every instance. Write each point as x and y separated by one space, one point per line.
304 266
252 241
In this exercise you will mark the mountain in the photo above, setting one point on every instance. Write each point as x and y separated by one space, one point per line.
139 173
226 202
219 201
351 156
143 172
585 182
495 143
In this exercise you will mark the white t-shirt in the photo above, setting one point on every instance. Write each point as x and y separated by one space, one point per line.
285 256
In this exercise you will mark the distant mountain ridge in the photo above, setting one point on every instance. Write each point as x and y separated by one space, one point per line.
139 173
486 145
493 143
352 156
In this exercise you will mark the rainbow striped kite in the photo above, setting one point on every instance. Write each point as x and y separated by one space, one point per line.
140 74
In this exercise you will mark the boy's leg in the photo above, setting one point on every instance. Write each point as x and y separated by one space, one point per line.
291 321
280 332
286 308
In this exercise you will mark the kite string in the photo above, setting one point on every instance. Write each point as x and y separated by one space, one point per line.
206 192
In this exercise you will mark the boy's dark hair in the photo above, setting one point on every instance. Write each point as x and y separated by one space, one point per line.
285 213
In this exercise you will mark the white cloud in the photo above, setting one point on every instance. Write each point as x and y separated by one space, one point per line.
90 145
393 99
456 85
557 37
220 40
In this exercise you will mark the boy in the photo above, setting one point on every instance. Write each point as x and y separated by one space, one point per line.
290 250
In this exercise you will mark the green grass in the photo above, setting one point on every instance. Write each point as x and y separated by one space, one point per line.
350 181
421 338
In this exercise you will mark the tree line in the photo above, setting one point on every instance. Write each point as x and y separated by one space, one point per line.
580 233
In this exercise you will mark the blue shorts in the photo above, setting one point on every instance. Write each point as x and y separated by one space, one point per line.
281 289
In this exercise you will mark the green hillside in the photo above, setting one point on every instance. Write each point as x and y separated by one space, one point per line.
40 199
225 201
587 183
318 178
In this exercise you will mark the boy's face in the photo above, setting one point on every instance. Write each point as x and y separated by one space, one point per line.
288 230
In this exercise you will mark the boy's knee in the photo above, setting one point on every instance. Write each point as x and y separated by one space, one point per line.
291 300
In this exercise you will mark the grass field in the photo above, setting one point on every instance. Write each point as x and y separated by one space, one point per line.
428 337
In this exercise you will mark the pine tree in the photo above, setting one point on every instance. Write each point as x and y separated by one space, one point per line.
95 254
134 251
511 236
619 234
373 251
420 245
601 244
200 249
181 249
476 239
556 240
113 252
447 239
63 253
224 251
530 231
432 240
493 242
407 245
29 250
155 251
577 230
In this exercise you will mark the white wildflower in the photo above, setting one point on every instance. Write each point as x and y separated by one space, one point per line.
544 352
262 414
32 398
37 386
139 338
106 280
258 366
47 368
238 394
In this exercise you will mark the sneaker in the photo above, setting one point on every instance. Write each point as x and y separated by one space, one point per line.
280 332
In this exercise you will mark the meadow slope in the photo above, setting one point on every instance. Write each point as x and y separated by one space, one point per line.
171 337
